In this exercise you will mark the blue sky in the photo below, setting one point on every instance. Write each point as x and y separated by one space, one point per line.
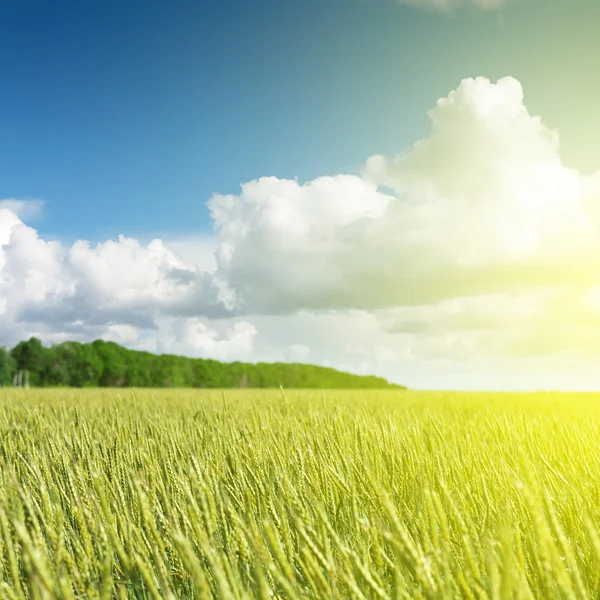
126 117
444 227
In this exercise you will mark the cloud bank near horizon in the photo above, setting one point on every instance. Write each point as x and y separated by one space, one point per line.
476 241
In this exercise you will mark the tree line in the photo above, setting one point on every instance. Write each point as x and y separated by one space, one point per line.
107 364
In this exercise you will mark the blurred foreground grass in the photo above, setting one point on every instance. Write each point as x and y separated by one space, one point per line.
199 494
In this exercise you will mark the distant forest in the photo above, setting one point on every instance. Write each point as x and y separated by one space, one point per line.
106 364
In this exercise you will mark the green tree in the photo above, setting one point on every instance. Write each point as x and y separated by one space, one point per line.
33 357
7 367
109 365
114 363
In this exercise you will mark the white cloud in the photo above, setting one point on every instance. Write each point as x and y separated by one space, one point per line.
202 340
483 205
286 246
46 280
113 290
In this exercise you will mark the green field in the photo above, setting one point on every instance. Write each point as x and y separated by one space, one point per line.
189 494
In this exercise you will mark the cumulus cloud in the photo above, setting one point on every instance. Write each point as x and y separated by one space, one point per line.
195 335
44 279
112 290
484 204
286 246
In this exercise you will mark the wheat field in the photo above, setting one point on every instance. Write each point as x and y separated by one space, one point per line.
272 494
